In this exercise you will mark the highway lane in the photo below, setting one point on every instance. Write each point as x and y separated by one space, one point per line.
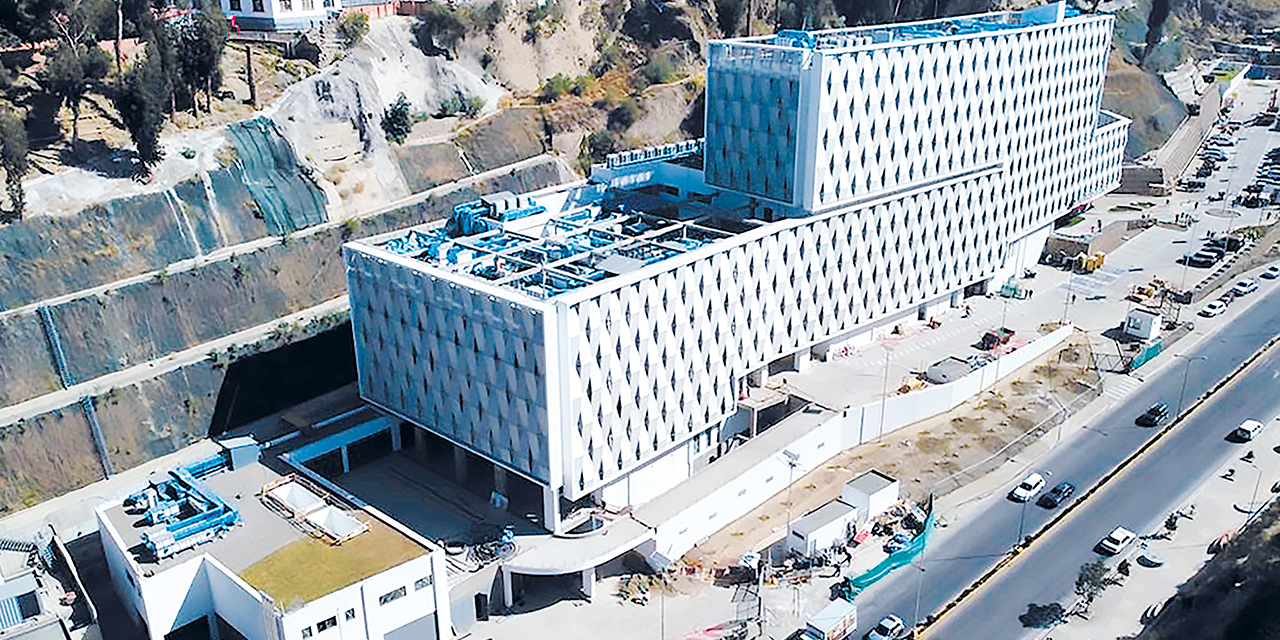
960 554
1138 499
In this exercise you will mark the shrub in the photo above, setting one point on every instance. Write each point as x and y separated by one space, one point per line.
660 70
625 115
396 121
439 29
556 86
466 106
598 145
353 27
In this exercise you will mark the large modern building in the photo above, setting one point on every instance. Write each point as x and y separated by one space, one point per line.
592 341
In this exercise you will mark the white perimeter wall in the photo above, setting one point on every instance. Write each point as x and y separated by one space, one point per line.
857 425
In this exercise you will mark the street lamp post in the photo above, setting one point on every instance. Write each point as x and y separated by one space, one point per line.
919 584
1185 372
884 389
792 461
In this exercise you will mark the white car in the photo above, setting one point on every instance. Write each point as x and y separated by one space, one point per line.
1118 539
890 627
1214 308
1024 492
1245 287
1272 272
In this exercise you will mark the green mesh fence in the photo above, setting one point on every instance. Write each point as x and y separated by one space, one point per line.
286 196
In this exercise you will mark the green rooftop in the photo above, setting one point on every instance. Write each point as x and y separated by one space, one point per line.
308 568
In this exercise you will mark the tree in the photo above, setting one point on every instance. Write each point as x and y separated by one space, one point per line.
142 100
200 42
396 120
72 71
1094 578
13 159
353 27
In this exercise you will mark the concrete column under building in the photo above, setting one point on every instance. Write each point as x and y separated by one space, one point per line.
500 480
589 583
214 632
803 360
508 594
346 460
460 465
758 377
551 510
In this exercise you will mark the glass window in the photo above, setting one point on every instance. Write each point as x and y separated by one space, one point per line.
306 632
326 624
422 583
393 596
350 615
257 6
235 5
286 5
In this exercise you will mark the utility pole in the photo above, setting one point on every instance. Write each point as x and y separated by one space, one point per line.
248 70
884 389
1185 372
119 37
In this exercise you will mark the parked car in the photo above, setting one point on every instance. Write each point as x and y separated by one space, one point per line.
1213 309
1201 259
1245 287
1028 488
1217 252
890 627
1228 243
1117 540
1154 415
1221 195
1271 273
1247 430
1057 495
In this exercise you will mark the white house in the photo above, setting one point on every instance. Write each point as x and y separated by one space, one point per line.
280 15
270 558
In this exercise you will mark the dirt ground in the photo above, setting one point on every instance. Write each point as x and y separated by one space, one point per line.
927 456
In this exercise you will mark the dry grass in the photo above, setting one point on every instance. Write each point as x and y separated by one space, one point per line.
308 569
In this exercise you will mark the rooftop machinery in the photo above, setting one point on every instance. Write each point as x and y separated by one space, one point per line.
179 511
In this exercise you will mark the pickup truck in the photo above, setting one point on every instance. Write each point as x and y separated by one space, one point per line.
996 337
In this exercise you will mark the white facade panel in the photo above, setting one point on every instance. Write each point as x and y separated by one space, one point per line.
463 362
658 360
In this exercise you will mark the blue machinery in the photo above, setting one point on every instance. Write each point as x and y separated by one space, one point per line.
180 510
576 249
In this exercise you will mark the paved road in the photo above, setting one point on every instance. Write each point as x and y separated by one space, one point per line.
960 554
1138 499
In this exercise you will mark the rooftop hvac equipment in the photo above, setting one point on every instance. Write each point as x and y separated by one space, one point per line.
181 511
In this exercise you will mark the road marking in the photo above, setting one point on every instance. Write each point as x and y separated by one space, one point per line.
1120 386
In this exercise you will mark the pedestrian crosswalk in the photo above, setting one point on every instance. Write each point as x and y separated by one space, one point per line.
1118 387
1093 283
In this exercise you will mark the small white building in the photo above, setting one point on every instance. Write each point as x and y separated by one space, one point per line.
871 493
822 528
280 15
279 559
1143 323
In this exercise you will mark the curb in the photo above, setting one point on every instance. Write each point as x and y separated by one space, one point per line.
1031 539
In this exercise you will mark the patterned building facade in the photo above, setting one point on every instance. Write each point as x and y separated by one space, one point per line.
848 177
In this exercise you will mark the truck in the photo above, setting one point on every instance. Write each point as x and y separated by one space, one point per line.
835 622
996 337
